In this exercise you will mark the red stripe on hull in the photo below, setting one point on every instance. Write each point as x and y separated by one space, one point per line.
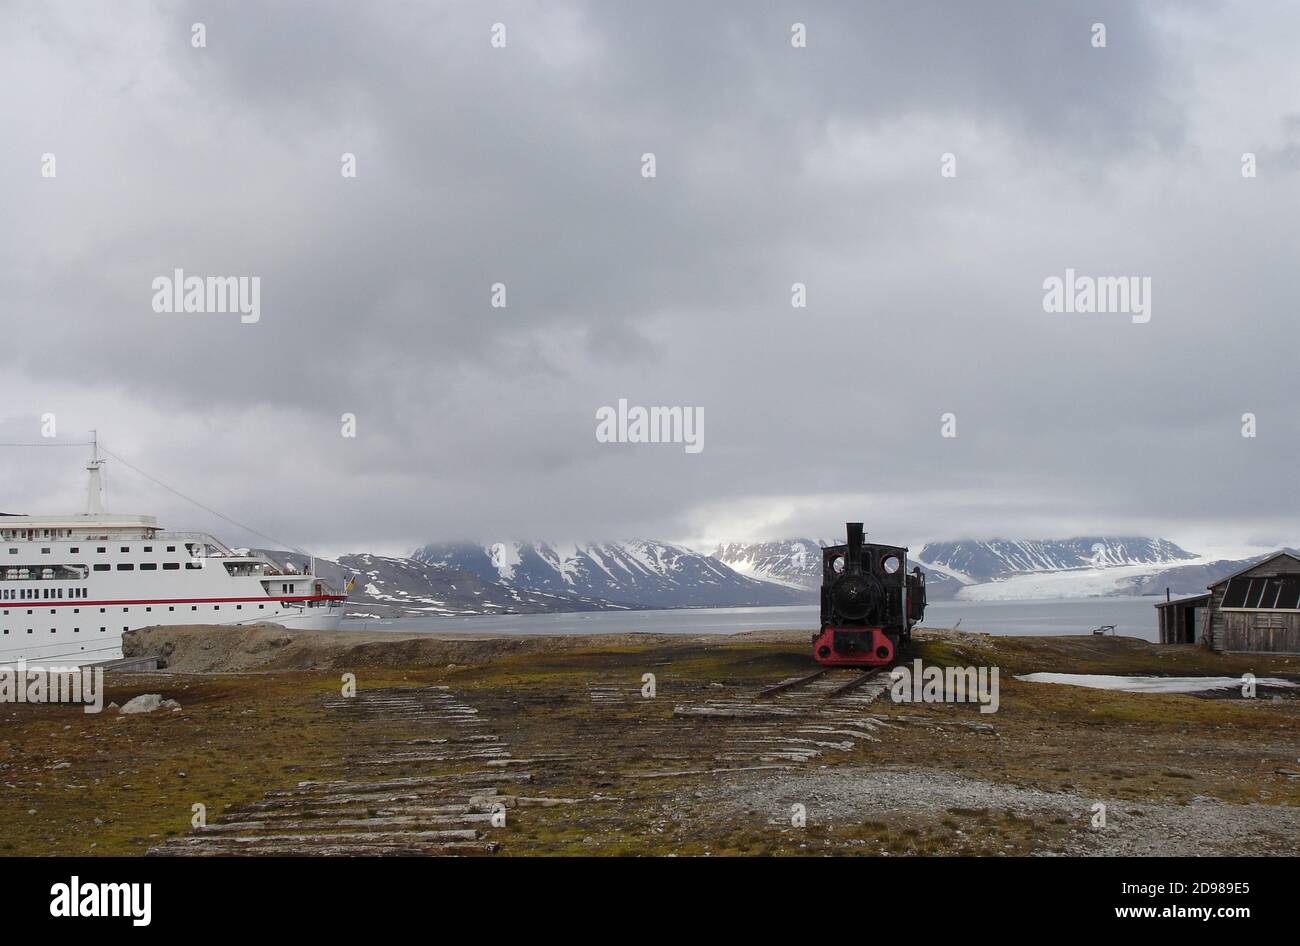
87 604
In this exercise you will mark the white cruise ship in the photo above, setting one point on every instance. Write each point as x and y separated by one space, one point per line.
71 585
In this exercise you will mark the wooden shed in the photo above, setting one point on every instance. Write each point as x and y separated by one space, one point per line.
1182 620
1257 610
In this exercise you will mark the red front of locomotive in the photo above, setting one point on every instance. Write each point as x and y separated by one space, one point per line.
869 603
853 647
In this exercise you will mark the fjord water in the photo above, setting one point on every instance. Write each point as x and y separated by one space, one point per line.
1132 617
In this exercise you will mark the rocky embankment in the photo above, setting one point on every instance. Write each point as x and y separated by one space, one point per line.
211 648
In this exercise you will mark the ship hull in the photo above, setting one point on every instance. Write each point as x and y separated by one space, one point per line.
71 586
66 646
68 598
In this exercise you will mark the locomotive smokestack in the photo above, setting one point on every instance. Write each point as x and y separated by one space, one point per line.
854 556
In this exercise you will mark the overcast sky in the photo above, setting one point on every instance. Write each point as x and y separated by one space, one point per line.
774 165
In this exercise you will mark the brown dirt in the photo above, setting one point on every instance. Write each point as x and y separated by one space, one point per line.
651 775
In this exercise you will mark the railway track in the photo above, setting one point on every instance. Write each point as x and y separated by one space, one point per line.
827 682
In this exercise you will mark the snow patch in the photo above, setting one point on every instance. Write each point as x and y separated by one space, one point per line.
1101 681
952 573
504 557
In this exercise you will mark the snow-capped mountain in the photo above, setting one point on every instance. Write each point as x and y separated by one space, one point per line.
1006 569
996 559
638 573
533 577
797 563
465 578
1193 579
403 587
526 578
1080 567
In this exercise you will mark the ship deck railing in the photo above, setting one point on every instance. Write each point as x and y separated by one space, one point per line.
203 537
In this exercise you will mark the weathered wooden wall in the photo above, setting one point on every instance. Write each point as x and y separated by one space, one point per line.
1172 622
1261 632
1275 632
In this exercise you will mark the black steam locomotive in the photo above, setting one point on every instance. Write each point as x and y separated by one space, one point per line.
869 603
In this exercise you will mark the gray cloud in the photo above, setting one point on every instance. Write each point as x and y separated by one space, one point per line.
776 165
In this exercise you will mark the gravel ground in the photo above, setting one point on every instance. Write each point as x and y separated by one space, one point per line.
843 794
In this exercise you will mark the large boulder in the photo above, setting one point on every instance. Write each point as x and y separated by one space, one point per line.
144 703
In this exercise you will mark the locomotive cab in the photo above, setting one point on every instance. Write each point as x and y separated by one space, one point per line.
869 603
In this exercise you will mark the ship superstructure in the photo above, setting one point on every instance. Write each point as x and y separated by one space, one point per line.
71 585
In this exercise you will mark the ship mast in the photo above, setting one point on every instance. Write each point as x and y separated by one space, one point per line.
95 489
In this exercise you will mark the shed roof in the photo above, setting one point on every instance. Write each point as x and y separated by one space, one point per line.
1192 601
1264 561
